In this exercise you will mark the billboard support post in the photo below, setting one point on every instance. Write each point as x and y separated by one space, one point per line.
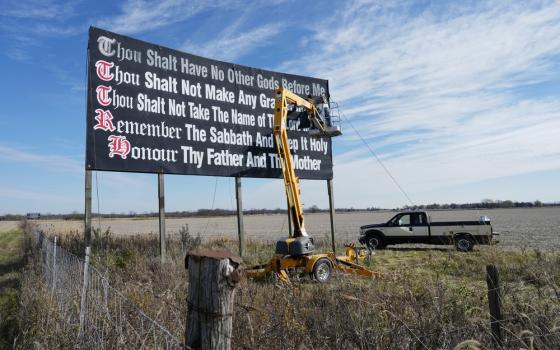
87 209
162 237
331 211
289 219
240 228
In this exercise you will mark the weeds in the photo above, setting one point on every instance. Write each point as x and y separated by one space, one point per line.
188 242
429 298
12 259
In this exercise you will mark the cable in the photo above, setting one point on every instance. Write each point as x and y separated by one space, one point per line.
213 202
376 157
232 205
283 223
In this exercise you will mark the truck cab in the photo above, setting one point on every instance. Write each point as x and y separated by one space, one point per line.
408 225
416 227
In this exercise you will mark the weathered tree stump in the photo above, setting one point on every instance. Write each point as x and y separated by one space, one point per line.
213 275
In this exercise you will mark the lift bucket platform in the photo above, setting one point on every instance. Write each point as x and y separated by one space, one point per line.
330 131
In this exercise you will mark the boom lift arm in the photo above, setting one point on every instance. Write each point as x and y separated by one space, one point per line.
284 98
295 252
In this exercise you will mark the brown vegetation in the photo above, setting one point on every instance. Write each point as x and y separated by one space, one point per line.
429 298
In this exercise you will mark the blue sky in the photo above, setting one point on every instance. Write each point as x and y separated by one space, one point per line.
460 101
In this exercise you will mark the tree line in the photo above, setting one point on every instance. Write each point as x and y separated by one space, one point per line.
484 204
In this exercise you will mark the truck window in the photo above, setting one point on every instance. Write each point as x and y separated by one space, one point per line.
404 220
418 219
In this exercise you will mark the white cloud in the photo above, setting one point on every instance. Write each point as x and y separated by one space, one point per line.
229 42
140 16
50 161
38 9
232 44
449 96
27 23
62 163
143 15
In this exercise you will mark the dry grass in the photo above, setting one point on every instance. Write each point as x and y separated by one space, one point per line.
437 302
6 226
41 324
11 261
429 298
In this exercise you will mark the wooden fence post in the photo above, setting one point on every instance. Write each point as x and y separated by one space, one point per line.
495 303
213 276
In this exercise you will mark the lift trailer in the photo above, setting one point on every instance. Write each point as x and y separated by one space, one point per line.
296 251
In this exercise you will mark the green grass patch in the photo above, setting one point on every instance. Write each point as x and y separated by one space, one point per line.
11 262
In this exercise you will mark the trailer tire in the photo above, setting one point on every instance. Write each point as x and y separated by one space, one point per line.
374 242
464 243
322 270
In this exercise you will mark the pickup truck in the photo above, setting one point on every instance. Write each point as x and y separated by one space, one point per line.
416 227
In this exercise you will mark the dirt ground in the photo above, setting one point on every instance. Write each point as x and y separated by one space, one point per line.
531 228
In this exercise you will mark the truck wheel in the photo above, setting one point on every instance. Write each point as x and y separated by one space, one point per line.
464 243
322 270
375 242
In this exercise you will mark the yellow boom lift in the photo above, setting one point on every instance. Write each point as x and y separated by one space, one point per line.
296 251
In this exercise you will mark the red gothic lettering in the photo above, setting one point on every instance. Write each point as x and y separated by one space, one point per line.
104 70
104 120
118 145
103 95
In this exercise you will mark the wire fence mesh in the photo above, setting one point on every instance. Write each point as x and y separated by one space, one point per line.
105 318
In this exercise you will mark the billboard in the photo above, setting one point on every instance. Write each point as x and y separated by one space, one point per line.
157 110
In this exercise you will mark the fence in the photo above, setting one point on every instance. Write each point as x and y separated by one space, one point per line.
101 316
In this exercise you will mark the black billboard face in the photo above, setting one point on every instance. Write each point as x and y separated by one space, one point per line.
157 110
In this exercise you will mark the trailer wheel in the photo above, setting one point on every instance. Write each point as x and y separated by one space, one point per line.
464 243
322 270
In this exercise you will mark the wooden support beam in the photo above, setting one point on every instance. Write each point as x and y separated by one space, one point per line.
87 209
331 212
290 228
162 235
240 227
